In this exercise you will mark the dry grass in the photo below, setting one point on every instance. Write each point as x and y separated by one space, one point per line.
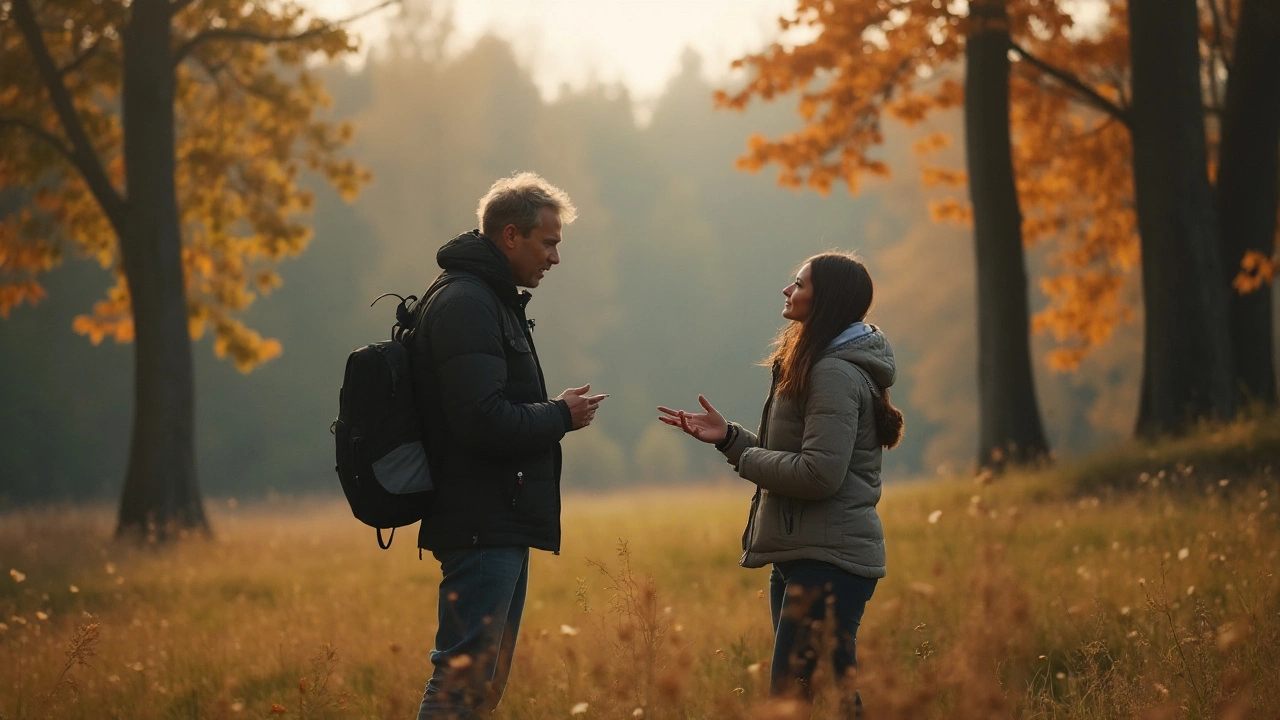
1035 596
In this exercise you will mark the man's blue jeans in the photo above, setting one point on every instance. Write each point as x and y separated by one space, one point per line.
800 593
482 596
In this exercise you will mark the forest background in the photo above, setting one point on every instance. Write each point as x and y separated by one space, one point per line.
670 285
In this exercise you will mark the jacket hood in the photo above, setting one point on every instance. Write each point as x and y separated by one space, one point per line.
871 352
473 253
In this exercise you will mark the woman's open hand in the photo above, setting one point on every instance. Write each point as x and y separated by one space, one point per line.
709 426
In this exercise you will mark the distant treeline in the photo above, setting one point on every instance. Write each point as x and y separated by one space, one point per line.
670 286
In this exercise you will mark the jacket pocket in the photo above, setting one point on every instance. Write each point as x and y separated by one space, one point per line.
515 487
529 489
517 342
751 521
790 516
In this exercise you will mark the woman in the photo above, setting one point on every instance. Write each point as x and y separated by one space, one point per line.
816 464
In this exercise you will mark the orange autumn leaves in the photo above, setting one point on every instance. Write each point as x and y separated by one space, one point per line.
250 121
856 64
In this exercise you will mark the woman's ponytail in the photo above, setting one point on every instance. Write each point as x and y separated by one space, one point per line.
889 420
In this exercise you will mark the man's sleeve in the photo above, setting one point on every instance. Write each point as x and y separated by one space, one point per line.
471 365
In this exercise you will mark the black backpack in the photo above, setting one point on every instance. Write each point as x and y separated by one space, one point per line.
382 462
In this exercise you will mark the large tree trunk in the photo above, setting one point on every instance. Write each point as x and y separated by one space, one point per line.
1009 417
1248 185
1187 363
160 494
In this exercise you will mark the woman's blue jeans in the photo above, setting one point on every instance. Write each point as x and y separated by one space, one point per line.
800 594
482 595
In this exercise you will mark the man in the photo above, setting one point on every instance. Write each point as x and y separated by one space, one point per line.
494 444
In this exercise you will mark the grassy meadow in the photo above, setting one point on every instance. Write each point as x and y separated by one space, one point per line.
1137 583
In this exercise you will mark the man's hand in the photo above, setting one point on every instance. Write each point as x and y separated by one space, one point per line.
709 427
582 407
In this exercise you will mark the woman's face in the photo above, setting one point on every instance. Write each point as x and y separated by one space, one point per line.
799 296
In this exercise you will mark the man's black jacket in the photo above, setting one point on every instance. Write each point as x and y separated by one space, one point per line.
494 438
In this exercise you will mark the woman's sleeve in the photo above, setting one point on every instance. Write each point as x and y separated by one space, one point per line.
830 429
743 439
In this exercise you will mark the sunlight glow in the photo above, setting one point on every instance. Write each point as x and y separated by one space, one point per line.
575 43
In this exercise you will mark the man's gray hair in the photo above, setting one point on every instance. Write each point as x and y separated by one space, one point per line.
518 200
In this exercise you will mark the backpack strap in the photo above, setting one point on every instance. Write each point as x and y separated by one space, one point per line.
390 537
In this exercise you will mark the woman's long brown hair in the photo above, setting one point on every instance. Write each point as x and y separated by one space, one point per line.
842 294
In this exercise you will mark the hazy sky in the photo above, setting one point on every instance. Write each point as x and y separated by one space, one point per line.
636 42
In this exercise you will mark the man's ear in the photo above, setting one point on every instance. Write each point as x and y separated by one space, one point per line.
508 237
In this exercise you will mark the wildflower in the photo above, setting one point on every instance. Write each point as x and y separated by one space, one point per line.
637 713
302 685
42 615
111 568
1124 610
460 662
74 589
760 594
933 517
136 667
754 668
721 654
1230 634
1191 590
237 706
17 576
1184 553
579 709
1224 482
277 709
568 630
922 588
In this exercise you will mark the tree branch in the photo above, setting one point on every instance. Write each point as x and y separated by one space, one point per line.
1074 83
246 35
81 58
82 155
48 137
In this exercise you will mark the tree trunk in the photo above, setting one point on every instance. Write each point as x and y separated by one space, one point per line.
1187 363
160 495
1009 417
1247 189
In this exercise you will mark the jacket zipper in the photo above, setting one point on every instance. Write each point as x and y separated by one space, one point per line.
749 535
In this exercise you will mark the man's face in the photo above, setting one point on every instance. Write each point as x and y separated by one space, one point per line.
532 255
